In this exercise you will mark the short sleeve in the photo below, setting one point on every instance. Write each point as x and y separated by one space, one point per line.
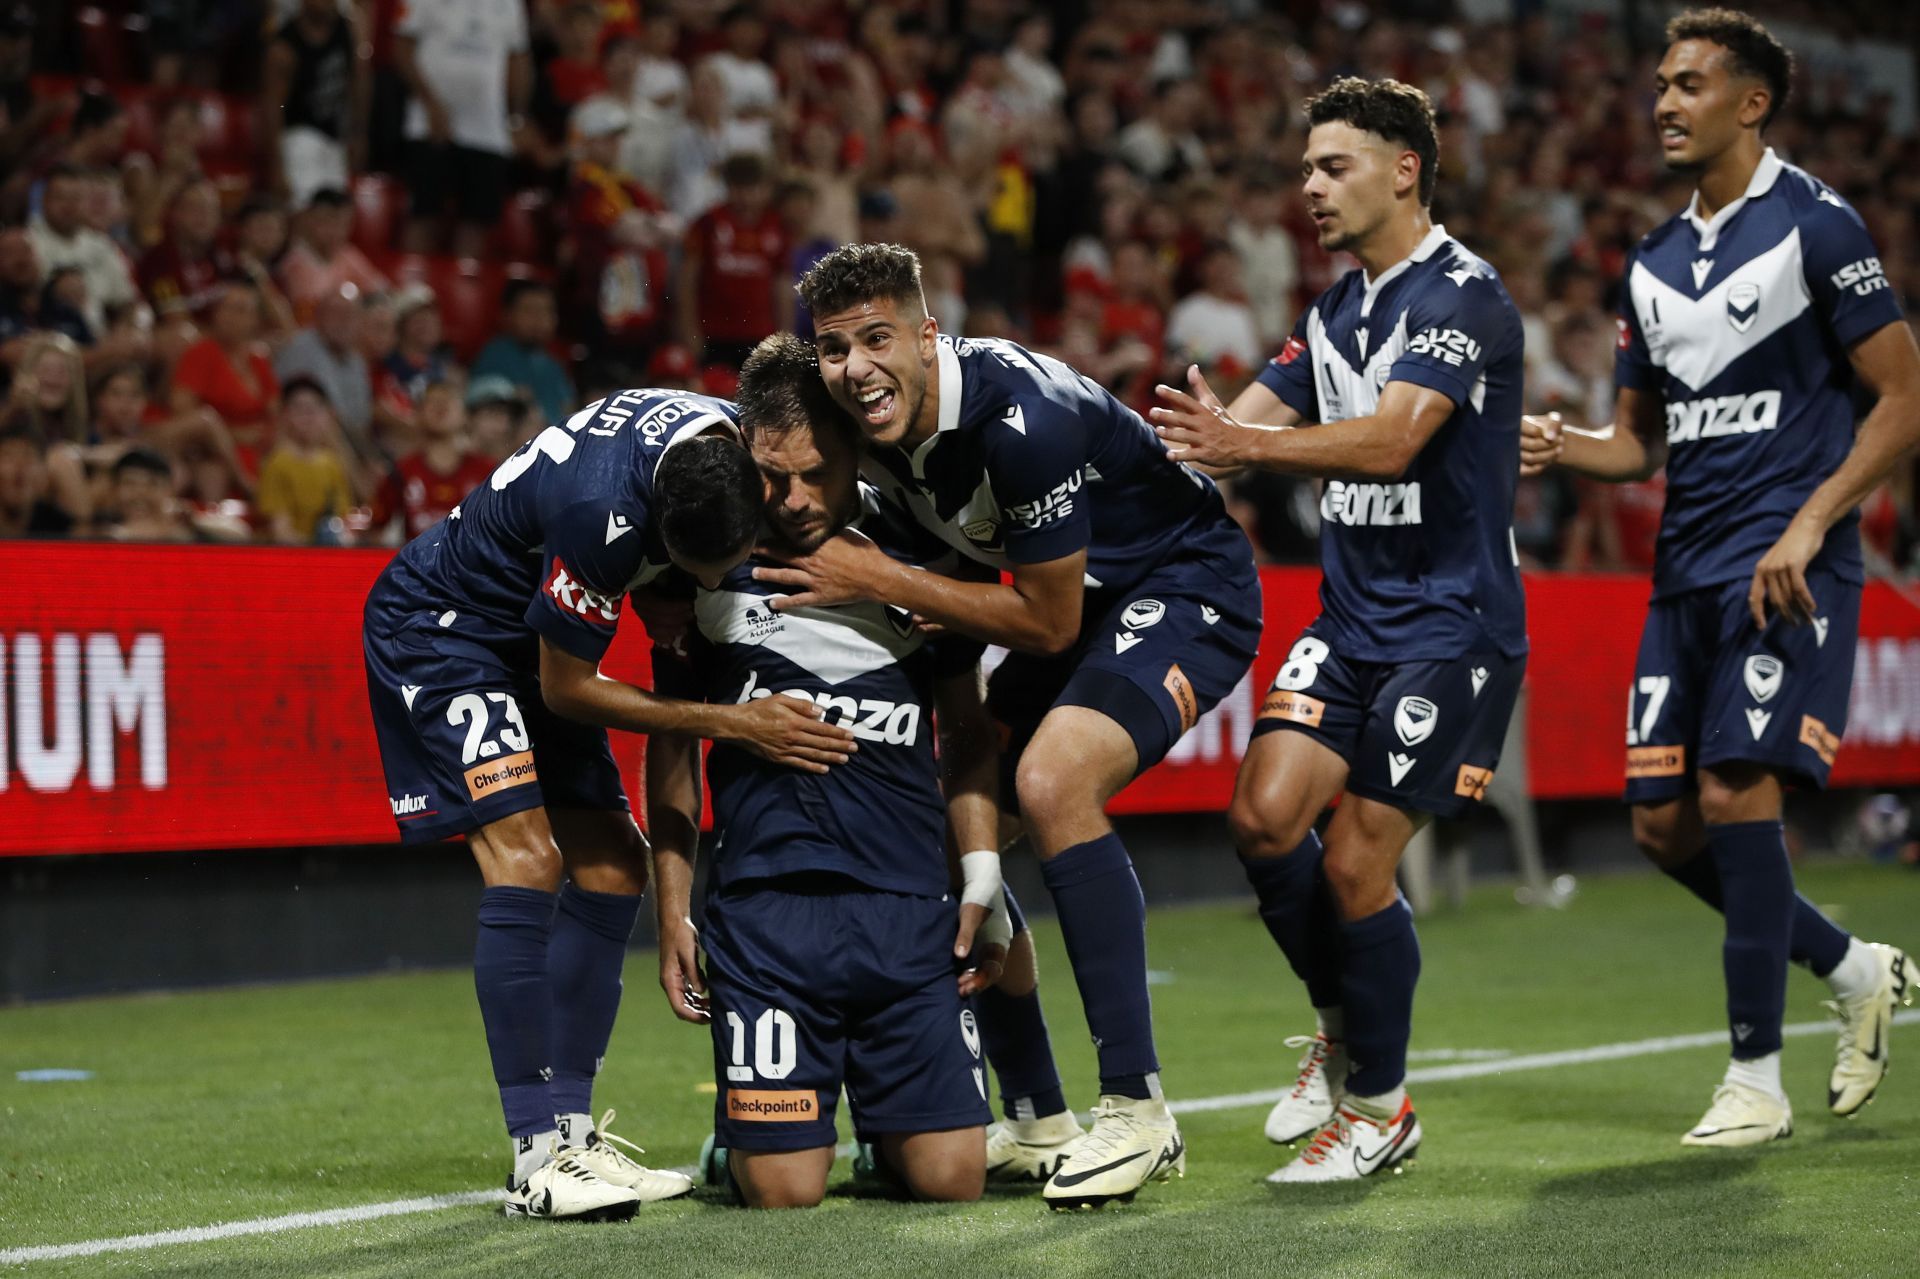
1454 328
1633 366
1037 462
1289 374
1849 284
275 494
591 553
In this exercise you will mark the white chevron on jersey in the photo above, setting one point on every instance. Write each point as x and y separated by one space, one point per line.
836 644
1694 339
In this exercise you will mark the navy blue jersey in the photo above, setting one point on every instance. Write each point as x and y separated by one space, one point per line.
879 818
1742 325
1421 568
1032 462
549 546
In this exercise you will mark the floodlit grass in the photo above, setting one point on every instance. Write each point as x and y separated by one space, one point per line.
221 1106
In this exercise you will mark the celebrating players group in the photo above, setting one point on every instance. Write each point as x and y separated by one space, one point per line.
821 564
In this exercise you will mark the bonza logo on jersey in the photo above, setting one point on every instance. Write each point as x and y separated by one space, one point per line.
1055 504
1719 415
1450 346
1377 505
871 719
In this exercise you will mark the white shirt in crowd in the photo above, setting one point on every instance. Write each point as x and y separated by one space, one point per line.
1206 327
1270 271
97 258
462 48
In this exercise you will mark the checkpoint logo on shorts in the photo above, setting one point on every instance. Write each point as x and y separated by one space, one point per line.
765 1106
1473 782
1295 707
501 774
1414 719
1656 761
1183 696
1817 736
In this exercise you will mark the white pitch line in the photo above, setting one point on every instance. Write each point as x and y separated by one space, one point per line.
1231 1101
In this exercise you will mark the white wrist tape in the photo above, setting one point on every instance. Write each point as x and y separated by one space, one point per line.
979 878
997 928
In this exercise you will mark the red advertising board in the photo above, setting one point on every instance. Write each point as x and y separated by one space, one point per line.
158 698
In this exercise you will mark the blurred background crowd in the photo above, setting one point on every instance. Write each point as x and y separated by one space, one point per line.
303 270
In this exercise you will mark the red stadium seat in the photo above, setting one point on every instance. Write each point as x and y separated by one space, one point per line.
227 130
379 203
107 48
467 290
524 231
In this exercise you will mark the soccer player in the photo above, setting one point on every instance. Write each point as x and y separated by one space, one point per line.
1396 699
830 933
1747 324
1132 607
483 640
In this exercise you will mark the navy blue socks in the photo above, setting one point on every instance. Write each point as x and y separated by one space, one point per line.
1380 963
1014 1033
510 976
1299 912
1818 942
1103 919
1756 881
584 959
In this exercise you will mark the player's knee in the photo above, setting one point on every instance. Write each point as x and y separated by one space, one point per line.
525 863
780 1190
1263 824
1361 886
949 1179
1050 788
1654 831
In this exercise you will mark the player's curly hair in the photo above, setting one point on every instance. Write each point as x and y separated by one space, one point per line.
1753 50
780 388
1389 109
707 494
856 273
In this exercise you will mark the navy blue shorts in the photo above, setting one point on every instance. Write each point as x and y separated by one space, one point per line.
465 736
816 981
1711 688
1153 659
1424 736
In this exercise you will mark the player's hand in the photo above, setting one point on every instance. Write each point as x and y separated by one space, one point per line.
1780 578
680 974
989 962
841 570
1540 443
1197 428
789 731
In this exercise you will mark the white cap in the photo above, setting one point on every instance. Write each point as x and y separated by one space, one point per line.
598 117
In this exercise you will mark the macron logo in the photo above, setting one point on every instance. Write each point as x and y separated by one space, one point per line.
409 691
618 526
1016 418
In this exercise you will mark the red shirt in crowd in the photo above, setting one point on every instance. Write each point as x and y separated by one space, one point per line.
206 370
623 284
422 495
739 261
176 283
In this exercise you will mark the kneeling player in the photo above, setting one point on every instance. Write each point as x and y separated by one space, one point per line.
483 639
830 934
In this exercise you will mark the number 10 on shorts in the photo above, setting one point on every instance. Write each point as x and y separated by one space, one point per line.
776 1047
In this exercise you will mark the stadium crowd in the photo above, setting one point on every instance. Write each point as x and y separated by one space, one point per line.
303 270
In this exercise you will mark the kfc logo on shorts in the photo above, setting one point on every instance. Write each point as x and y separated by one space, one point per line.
1414 719
571 597
1763 675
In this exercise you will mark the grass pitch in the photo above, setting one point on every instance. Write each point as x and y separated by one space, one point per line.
220 1106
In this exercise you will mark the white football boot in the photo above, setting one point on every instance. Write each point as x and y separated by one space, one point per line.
565 1189
1317 1089
1132 1142
603 1157
1031 1149
1860 1059
1741 1115
1352 1146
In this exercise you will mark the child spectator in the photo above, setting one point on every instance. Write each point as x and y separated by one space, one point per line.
49 397
25 508
733 272
519 354
417 360
495 408
145 510
618 277
424 486
21 297
304 494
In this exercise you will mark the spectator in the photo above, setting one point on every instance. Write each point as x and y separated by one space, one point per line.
424 486
152 181
329 354
228 371
733 288
1216 323
304 493
211 495
417 360
467 65
573 74
655 103
1269 262
323 260
519 354
796 205
143 503
96 138
61 239
24 305
26 509
259 246
618 278
752 92
182 274
313 96
495 410
672 369
49 396
707 138
940 217
836 193
103 207
1162 144
660 79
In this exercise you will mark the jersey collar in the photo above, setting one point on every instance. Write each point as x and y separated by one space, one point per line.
1765 174
1421 252
949 366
